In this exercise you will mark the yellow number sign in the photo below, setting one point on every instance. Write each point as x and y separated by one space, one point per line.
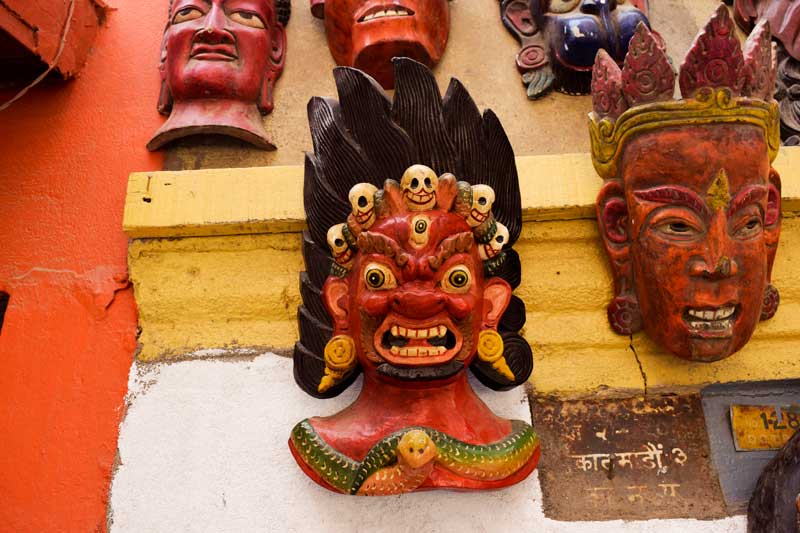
763 427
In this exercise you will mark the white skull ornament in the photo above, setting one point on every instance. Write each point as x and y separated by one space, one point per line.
419 184
342 253
362 199
492 248
482 200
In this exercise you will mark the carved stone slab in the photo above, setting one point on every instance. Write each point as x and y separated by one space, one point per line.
633 458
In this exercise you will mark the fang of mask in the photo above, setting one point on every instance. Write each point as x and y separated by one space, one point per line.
482 200
342 252
492 248
419 184
362 199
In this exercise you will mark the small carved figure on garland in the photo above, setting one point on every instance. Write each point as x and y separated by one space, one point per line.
220 60
560 39
367 34
413 207
690 208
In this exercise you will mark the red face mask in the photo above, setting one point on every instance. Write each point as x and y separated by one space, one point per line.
220 61
411 315
367 34
700 231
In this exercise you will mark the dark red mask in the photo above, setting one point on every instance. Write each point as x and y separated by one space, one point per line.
220 60
367 34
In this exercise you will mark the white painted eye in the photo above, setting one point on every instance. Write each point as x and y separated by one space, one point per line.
457 279
563 6
186 14
379 277
247 18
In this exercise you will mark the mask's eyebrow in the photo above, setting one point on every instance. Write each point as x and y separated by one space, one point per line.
746 196
670 194
376 243
178 5
455 244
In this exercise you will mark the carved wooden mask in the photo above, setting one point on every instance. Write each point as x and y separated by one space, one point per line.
412 216
220 60
560 38
784 22
367 34
690 208
783 17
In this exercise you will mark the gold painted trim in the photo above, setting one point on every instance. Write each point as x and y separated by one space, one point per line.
608 138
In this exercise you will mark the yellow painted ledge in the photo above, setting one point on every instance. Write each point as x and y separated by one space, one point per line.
234 201
215 257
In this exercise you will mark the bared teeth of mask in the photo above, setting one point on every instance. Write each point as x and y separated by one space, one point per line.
724 312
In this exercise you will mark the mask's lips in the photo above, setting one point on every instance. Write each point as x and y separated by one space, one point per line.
421 373
343 257
213 52
417 345
422 198
364 216
712 322
479 216
385 11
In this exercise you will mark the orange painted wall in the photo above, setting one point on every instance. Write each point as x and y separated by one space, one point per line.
70 330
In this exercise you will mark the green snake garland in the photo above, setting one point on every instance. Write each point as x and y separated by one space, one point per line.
402 461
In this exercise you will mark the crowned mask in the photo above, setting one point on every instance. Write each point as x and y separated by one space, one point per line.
560 38
367 34
220 60
413 207
690 206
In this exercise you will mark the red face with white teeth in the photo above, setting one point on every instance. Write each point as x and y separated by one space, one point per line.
417 315
702 224
367 34
408 314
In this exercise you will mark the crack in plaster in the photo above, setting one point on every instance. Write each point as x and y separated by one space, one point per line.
639 363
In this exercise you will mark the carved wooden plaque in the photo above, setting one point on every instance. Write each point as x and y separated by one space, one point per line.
633 458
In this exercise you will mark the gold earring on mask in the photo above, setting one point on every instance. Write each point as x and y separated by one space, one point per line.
490 350
340 358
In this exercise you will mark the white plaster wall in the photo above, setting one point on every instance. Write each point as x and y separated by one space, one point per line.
204 448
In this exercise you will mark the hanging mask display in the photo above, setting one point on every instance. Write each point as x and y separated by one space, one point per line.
410 272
